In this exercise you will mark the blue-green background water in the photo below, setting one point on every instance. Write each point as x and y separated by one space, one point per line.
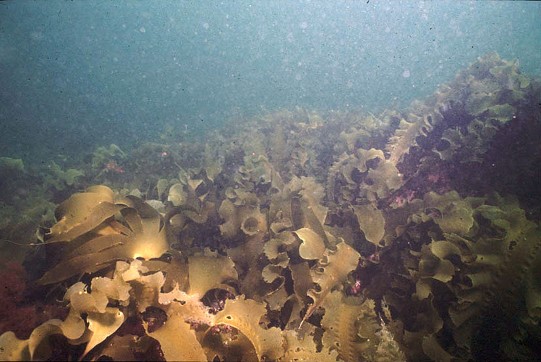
75 75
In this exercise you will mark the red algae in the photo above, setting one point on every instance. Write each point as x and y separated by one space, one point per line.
19 313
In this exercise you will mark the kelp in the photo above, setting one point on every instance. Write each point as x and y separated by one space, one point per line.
371 221
474 253
304 349
91 319
299 235
245 315
176 332
406 135
365 176
349 327
331 271
93 237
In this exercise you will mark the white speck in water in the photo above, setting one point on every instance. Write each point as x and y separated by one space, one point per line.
303 25
290 38
406 73
206 26
36 35
142 29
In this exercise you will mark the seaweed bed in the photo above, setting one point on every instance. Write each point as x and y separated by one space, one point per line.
410 235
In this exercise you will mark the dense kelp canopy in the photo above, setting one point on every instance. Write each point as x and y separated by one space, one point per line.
298 235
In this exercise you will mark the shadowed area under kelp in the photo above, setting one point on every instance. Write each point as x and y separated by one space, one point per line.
298 235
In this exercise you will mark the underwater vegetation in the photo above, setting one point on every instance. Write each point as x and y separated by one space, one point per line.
408 235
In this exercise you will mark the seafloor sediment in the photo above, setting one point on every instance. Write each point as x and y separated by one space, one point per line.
297 235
